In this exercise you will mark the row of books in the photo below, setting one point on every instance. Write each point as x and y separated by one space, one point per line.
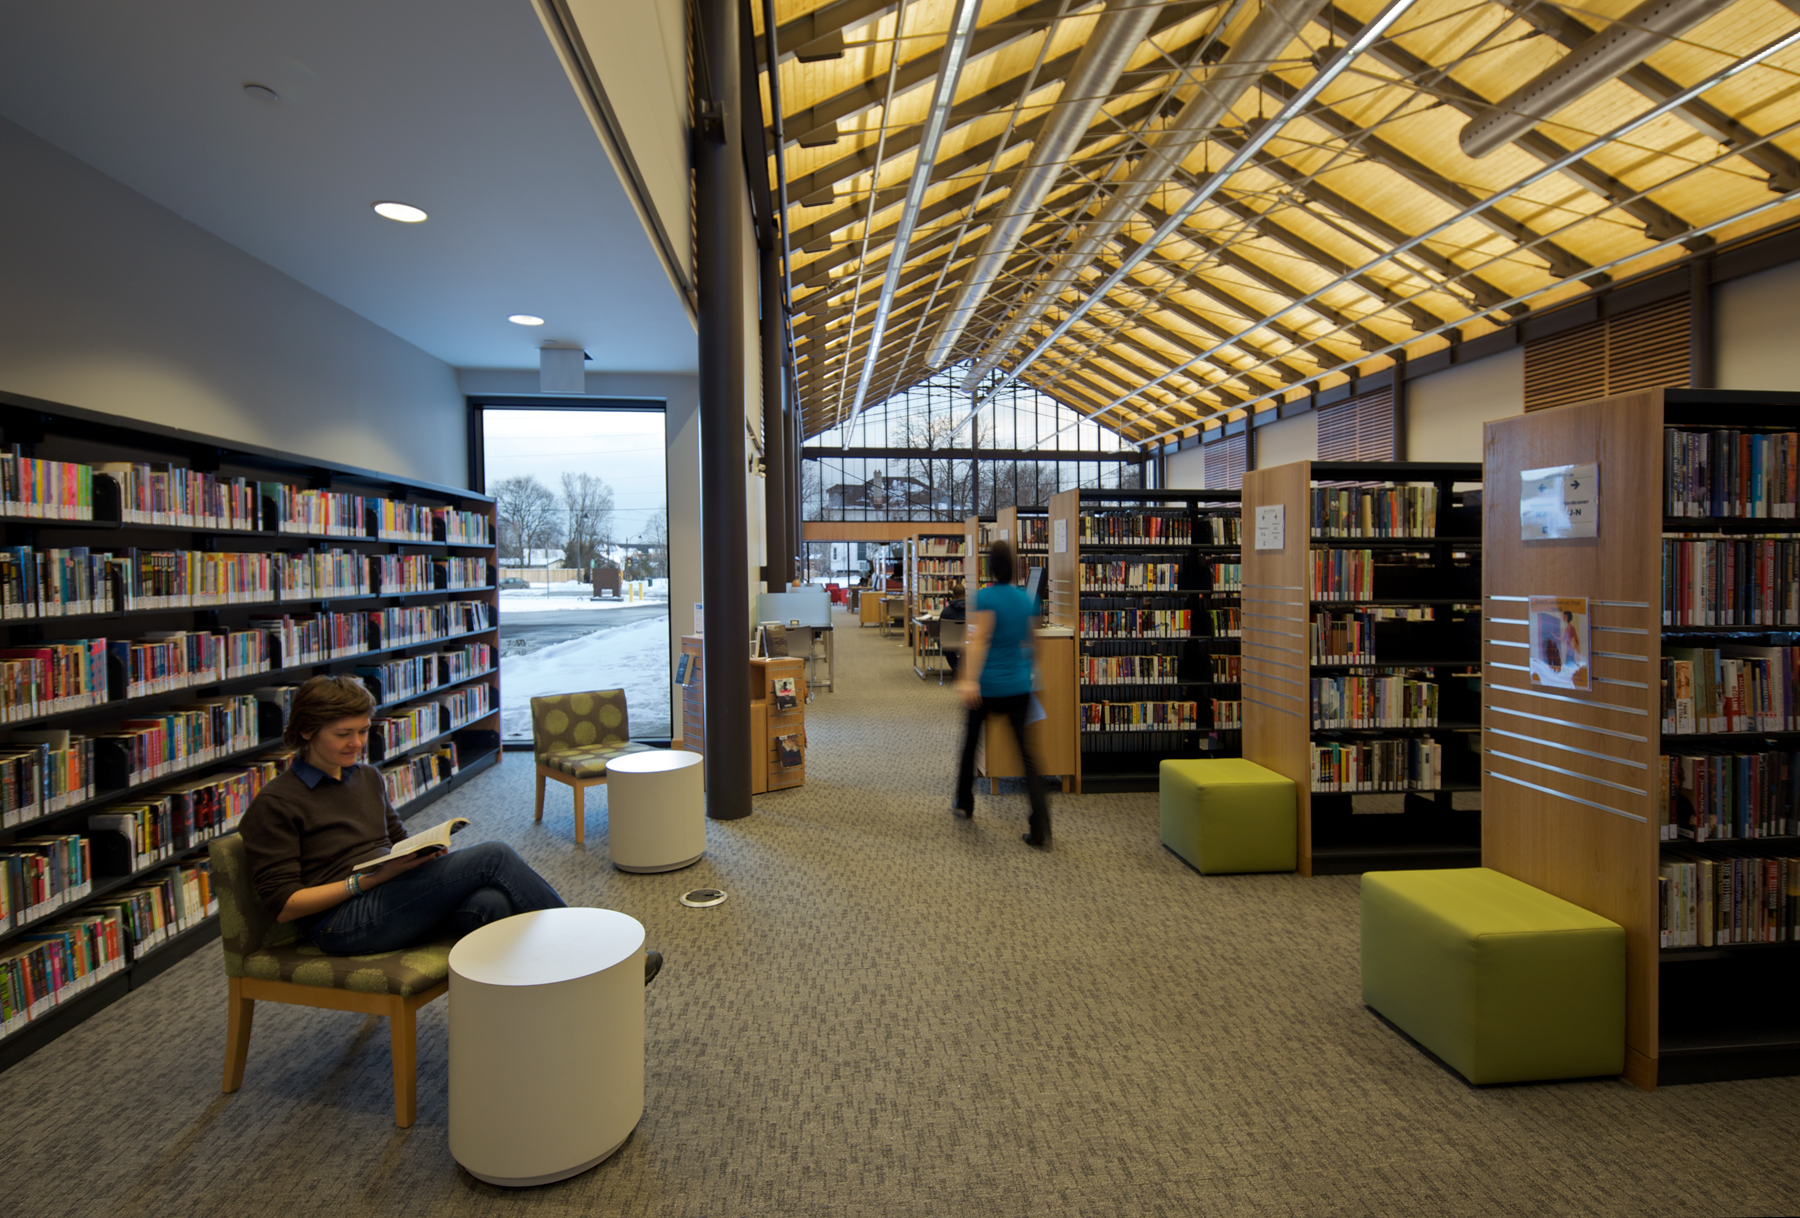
1221 531
413 776
1227 670
1385 510
1343 638
1715 902
1705 797
407 627
1730 581
47 490
397 731
1227 576
313 638
51 678
1171 527
1730 473
1377 765
395 573
1139 716
159 746
167 660
1129 670
163 493
54 582
938 547
40 875
134 834
60 961
1365 700
42 773
1136 622
1733 688
1034 533
1343 575
1136 742
1129 575
1227 714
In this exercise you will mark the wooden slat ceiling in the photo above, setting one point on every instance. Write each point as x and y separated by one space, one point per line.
1373 162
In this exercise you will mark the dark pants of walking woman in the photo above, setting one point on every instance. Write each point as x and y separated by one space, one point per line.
466 889
1014 707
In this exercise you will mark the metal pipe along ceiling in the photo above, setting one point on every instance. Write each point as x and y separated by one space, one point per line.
1119 31
1269 34
943 96
1616 49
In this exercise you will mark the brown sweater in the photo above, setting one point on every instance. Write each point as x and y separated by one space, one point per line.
298 836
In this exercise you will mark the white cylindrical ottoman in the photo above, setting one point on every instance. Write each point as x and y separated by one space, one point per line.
655 810
546 1043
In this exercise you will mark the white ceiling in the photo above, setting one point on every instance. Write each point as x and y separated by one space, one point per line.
457 106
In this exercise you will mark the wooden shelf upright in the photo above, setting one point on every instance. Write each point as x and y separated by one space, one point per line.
1573 781
1286 674
1153 664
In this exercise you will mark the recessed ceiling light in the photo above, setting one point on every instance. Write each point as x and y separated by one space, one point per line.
406 213
525 319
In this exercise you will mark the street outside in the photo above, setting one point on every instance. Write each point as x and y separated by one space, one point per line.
565 642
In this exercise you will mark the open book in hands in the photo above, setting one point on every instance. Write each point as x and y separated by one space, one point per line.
435 840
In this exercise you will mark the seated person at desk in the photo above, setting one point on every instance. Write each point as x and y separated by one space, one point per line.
306 830
956 611
894 582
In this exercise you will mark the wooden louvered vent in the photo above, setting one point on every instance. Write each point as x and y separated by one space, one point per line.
1361 429
1225 462
1646 348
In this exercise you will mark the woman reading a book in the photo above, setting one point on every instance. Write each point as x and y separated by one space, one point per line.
308 830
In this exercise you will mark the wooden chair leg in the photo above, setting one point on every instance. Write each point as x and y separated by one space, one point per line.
539 818
239 1014
403 1032
580 812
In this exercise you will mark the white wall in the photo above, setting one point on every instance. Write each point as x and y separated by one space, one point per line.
1186 470
681 398
113 303
1445 411
1295 439
1757 330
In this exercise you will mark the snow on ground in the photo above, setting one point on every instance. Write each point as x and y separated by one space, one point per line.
634 658
562 597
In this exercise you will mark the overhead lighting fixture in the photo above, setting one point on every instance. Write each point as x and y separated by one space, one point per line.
406 213
525 319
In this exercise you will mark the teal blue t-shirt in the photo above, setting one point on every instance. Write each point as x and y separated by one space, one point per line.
1008 667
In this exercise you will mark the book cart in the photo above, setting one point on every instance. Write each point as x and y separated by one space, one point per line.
1663 797
1147 581
1362 583
162 593
934 564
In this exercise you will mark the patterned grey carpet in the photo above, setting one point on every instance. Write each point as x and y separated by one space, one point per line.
898 1014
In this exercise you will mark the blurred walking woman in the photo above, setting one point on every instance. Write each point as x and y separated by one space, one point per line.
999 660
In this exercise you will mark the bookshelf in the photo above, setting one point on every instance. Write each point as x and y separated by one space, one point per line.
1361 657
161 595
1577 792
1028 528
1145 581
979 533
934 564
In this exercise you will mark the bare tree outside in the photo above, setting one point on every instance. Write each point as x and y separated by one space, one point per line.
656 536
527 515
587 508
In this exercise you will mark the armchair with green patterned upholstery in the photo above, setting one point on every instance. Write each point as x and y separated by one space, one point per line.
268 960
574 737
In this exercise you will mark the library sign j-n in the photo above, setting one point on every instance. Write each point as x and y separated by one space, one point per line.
1559 501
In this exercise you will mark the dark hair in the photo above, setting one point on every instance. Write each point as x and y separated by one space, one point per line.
959 590
1000 562
324 700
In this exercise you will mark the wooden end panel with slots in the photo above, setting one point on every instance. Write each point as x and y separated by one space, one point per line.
1277 589
1054 738
693 695
1065 564
1568 804
770 723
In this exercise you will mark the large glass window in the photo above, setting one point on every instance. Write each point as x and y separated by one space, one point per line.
583 513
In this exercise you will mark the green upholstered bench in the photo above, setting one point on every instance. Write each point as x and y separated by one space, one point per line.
1502 981
1228 815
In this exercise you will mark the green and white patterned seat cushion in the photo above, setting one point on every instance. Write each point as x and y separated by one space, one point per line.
578 721
405 972
588 761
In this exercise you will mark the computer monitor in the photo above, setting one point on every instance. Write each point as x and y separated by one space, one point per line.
1033 588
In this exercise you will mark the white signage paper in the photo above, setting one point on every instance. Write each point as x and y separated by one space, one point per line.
1559 501
1061 539
1271 527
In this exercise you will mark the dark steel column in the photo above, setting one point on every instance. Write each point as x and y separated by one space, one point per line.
721 221
777 452
1701 369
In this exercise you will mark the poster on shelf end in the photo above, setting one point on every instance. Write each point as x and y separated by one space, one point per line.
1559 641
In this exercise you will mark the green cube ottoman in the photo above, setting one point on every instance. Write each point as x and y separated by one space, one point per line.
1228 815
1501 980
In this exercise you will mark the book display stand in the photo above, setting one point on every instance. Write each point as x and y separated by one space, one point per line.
1147 581
1663 795
1362 622
162 595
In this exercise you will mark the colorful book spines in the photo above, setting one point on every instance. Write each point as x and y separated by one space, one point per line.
1343 575
1374 511
1720 900
1377 765
1731 474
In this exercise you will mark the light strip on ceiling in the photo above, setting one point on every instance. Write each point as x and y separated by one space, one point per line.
943 96
1618 133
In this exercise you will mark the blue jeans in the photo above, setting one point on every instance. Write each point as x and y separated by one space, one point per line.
455 894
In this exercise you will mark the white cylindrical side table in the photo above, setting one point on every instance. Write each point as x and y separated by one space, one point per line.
546 1043
655 810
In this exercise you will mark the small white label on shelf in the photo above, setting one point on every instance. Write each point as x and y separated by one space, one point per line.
1559 501
1271 527
1061 538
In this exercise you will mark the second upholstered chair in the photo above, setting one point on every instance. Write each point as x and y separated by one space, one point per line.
574 736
